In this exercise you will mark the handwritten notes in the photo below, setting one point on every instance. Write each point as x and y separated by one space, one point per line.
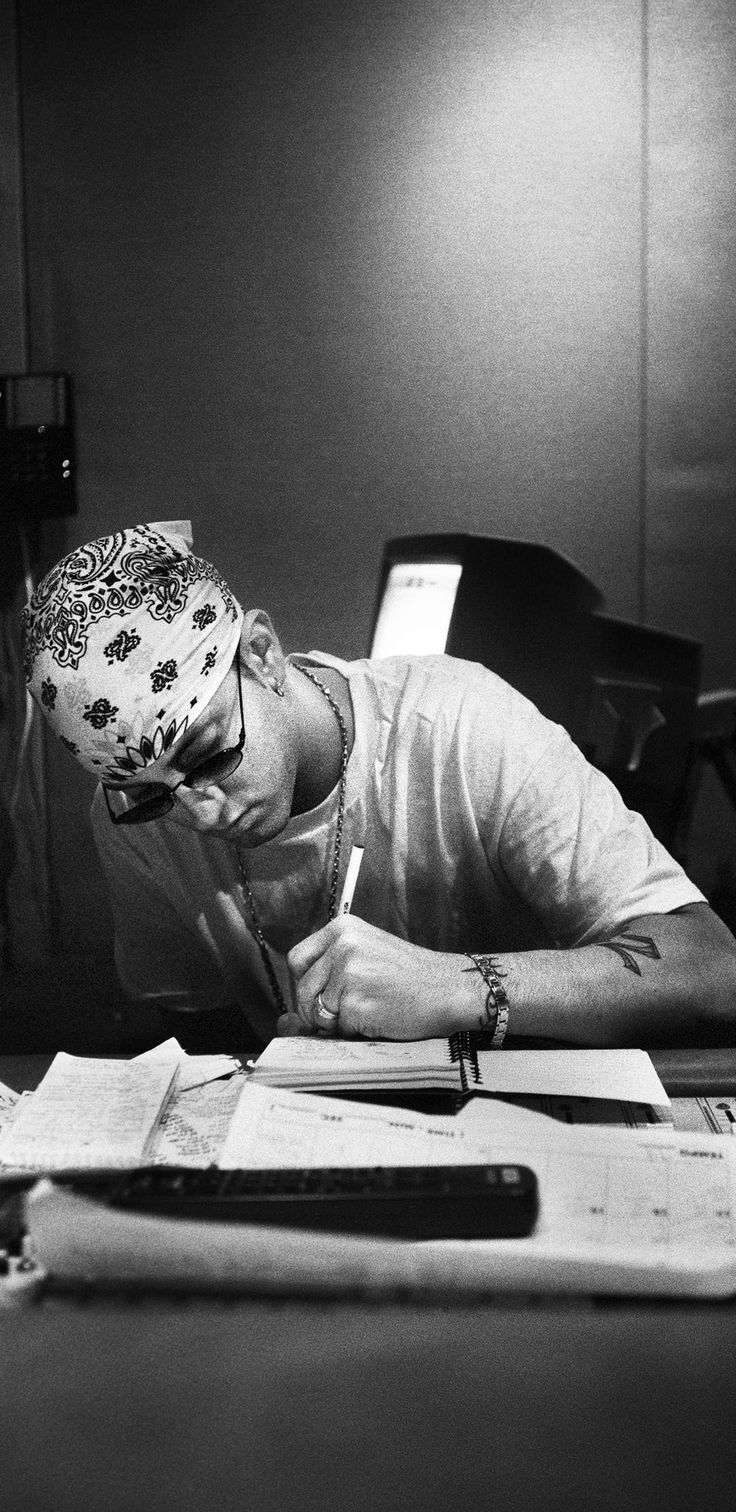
88 1113
194 1124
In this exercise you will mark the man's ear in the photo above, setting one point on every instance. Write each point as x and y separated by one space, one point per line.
260 649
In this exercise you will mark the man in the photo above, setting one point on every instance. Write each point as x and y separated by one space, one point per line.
504 884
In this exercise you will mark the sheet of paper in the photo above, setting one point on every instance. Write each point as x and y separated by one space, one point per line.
642 1191
627 1075
621 1213
87 1112
273 1126
599 1187
194 1070
194 1124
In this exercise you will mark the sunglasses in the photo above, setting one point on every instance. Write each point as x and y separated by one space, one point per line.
208 773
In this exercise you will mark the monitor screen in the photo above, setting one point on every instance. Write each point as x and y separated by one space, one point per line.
416 609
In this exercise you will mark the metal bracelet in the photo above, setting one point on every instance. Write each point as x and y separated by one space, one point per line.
496 997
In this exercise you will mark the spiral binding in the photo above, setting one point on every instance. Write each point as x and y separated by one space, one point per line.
464 1053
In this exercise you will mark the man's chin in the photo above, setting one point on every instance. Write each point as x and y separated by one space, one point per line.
250 832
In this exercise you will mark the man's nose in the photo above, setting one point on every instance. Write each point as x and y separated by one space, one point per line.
195 799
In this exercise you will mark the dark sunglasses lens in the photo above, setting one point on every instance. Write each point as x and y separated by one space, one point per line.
141 812
150 808
215 769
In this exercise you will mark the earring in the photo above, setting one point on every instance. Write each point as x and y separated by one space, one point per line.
278 691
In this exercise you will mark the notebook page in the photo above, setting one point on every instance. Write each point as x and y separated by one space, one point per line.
86 1113
627 1075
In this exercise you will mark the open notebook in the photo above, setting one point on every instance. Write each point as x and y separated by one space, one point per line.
456 1065
89 1113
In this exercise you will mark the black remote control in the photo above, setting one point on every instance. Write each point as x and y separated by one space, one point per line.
410 1202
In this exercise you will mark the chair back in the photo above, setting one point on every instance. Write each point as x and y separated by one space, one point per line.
641 717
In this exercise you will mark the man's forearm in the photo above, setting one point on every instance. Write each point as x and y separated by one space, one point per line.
662 978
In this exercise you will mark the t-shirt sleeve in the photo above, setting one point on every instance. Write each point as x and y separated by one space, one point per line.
581 860
156 954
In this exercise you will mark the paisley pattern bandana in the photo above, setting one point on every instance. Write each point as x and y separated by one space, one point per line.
125 642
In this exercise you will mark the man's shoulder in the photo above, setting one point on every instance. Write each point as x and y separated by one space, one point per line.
431 682
455 694
451 705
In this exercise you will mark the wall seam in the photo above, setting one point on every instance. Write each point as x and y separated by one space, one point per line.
643 467
23 249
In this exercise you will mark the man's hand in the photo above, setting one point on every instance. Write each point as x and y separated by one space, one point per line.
380 987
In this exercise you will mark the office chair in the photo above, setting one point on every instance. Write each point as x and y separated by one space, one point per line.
715 736
626 693
714 747
642 715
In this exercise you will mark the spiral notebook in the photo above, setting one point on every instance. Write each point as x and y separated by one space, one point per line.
456 1065
311 1064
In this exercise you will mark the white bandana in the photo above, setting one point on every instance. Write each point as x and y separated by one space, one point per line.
125 642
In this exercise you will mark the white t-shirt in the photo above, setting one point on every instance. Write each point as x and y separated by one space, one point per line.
483 825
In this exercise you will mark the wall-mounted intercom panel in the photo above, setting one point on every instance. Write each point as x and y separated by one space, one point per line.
37 465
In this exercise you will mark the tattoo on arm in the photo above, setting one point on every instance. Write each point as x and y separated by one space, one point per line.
628 946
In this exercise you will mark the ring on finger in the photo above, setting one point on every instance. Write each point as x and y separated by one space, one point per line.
325 1014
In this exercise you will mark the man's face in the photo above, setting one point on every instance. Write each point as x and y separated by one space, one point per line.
254 803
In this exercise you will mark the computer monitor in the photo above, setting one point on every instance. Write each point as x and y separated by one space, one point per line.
416 608
517 607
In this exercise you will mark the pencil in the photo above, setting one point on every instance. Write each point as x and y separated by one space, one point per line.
351 878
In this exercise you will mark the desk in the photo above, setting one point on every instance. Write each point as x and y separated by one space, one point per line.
115 1405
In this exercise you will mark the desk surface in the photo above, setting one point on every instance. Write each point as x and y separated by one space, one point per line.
178 1406
186 1407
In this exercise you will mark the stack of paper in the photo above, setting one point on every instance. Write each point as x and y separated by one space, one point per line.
620 1212
89 1113
635 1212
329 1065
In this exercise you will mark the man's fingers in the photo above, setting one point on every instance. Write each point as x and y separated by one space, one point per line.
326 1020
321 967
304 955
314 996
289 1024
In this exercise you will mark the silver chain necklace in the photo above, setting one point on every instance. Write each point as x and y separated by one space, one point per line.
255 925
